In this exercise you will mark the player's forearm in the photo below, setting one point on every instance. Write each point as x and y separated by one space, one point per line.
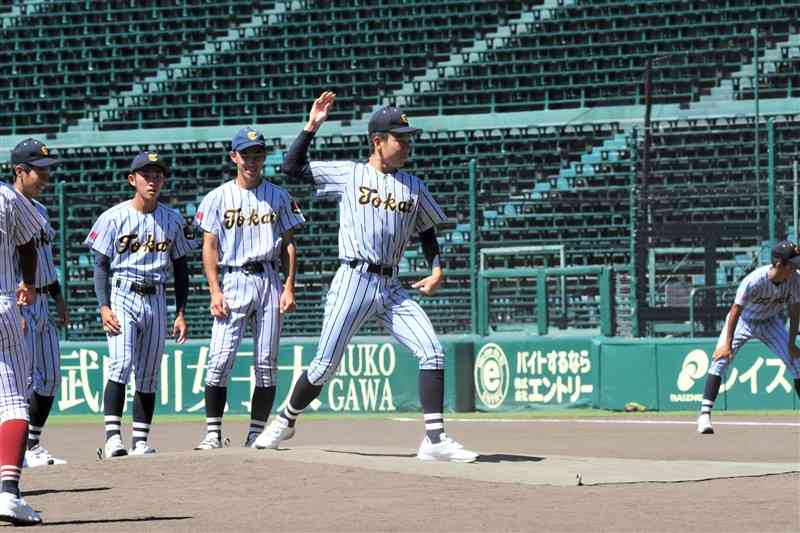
27 262
211 268
102 279
181 271
732 321
289 260
794 320
430 248
295 164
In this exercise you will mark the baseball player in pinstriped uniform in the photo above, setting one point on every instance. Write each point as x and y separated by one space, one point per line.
19 226
41 336
134 243
247 228
757 313
380 206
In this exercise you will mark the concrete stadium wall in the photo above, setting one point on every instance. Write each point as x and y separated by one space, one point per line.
495 373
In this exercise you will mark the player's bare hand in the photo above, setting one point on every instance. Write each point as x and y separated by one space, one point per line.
288 303
219 307
320 109
26 294
63 312
721 352
110 322
794 351
428 286
180 329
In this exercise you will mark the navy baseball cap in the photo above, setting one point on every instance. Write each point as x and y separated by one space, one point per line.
390 119
147 158
247 137
32 152
787 251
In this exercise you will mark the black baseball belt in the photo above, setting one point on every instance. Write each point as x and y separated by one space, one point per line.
251 268
372 268
142 289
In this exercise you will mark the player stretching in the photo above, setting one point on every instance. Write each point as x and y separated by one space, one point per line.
247 228
757 313
20 224
41 335
380 206
133 244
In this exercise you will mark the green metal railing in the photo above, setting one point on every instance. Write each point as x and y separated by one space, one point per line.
692 295
606 298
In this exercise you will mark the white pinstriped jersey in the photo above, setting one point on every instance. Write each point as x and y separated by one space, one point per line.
763 299
45 265
249 223
377 212
141 245
19 223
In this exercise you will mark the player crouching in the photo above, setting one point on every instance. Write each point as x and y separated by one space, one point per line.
757 313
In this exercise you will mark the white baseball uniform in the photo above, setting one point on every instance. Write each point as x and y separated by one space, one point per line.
762 318
141 247
41 337
19 223
378 213
249 225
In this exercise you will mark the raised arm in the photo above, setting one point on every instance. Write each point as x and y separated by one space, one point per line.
296 162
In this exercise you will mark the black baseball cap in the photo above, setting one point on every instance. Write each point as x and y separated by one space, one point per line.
787 251
147 158
32 152
390 119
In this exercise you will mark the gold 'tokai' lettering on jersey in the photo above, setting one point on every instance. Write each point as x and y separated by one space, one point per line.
234 217
132 244
371 197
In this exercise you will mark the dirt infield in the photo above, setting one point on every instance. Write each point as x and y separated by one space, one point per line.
361 475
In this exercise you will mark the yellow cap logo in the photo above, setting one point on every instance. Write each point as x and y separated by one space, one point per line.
44 150
252 135
152 157
404 119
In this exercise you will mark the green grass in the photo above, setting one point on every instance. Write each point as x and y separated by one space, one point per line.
518 415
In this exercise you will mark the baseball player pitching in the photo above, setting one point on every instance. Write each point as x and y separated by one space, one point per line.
247 226
41 335
20 225
757 313
134 244
380 207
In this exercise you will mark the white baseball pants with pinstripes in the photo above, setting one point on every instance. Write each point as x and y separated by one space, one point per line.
41 343
356 296
13 362
253 298
140 344
772 333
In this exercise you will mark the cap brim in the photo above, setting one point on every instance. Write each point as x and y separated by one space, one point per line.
244 146
156 164
44 162
405 129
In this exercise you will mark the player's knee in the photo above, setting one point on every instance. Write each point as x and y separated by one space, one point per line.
320 373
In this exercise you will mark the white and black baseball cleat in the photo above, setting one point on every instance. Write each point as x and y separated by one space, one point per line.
114 447
704 426
17 511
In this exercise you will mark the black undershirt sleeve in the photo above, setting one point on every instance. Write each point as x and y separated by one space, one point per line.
295 164
181 271
102 275
430 247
